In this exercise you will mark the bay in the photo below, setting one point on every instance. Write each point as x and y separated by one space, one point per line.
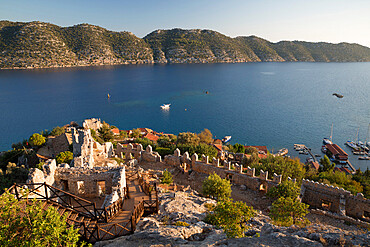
273 104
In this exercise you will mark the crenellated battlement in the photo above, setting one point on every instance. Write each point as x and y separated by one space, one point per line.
236 173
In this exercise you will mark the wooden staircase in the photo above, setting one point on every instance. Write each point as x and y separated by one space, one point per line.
96 224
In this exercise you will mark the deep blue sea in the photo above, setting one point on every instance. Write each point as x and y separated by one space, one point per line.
273 104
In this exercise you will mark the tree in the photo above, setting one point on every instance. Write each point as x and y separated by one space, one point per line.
285 189
57 131
216 187
326 165
123 134
237 148
167 177
231 216
251 150
205 136
31 225
37 140
64 157
164 141
287 211
188 138
249 161
135 133
105 133
145 142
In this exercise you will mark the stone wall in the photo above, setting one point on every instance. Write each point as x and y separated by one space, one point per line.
92 123
235 173
86 151
138 153
81 181
334 199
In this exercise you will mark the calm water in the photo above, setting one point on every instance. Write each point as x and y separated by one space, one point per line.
273 104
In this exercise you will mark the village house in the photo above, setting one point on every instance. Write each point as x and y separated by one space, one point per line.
115 131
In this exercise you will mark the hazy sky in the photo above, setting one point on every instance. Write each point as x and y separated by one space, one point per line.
275 20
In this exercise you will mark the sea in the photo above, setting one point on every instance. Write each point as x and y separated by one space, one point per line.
272 104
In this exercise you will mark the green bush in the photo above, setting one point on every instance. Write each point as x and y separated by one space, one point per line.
64 157
34 226
285 189
37 140
167 177
57 131
231 217
216 187
288 211
181 223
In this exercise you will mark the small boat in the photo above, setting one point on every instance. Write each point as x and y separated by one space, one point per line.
327 141
108 95
226 139
282 152
165 106
317 155
364 158
338 95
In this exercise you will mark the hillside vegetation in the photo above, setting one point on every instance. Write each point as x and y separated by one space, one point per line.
42 45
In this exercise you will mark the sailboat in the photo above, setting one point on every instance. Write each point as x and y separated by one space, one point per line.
367 141
330 139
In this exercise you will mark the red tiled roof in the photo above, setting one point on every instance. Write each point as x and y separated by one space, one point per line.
342 169
337 151
218 147
262 156
151 137
314 164
115 131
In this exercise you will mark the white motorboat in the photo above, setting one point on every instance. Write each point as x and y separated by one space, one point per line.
165 106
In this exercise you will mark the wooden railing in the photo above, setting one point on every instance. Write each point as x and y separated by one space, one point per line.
43 191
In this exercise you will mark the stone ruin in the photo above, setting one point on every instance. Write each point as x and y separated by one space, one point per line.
92 123
138 153
336 200
234 172
86 151
98 182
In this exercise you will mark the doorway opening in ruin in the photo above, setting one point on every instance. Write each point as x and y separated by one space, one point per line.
229 177
367 214
326 204
81 187
101 188
65 185
263 187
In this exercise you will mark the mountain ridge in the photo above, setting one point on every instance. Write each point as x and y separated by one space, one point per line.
44 45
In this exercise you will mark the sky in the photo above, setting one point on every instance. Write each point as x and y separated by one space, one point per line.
275 20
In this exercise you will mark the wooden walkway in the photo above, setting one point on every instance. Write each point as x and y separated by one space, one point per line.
96 224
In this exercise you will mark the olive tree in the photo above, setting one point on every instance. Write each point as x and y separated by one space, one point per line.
216 187
29 224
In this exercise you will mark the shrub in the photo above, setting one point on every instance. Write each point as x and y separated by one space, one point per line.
285 189
288 211
205 136
37 140
181 223
231 217
57 131
216 187
34 226
167 177
64 157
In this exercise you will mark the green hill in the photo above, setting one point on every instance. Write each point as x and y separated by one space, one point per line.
42 45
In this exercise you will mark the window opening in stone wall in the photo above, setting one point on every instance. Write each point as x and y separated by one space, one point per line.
101 188
81 187
326 204
65 185
229 177
367 214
